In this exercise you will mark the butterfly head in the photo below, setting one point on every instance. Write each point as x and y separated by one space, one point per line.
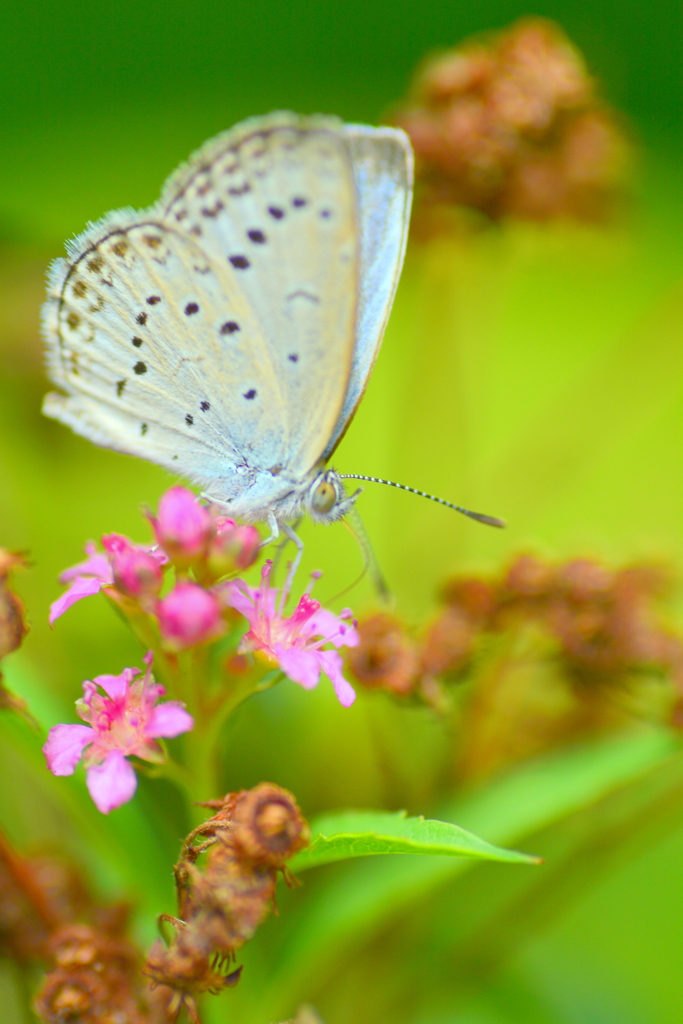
326 500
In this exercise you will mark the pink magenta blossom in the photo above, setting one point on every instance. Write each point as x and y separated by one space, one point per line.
133 569
189 615
123 720
183 527
295 643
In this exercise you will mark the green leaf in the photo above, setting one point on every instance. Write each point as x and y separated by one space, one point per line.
369 833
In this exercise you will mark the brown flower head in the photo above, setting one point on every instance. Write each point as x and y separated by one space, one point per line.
386 657
512 124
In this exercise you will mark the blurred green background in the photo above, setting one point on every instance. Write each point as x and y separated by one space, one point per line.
533 372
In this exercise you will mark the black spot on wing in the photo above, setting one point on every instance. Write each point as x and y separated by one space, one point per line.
140 368
120 385
276 212
229 327
189 420
205 406
141 319
293 357
153 299
137 341
239 262
251 393
191 308
256 236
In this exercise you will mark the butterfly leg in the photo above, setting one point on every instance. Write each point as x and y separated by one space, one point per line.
296 539
280 549
274 527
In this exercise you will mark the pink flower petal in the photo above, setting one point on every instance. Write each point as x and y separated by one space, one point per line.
301 666
333 629
239 595
64 747
169 719
111 783
117 686
96 565
83 586
331 664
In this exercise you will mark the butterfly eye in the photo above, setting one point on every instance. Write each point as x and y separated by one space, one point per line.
324 496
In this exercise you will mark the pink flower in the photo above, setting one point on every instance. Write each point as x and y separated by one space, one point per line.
294 643
189 615
184 527
126 720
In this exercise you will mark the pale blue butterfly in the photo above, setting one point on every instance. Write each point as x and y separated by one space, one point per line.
228 332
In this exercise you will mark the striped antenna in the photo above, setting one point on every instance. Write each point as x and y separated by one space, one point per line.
479 516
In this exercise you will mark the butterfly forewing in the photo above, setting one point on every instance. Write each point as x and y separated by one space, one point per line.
214 333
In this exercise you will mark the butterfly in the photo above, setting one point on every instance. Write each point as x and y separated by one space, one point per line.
228 332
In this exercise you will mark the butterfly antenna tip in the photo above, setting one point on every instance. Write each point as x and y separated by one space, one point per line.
479 516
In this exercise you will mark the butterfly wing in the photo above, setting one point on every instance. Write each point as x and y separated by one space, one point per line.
213 333
383 169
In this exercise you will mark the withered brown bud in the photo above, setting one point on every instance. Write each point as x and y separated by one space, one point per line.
386 657
447 644
511 123
476 598
528 578
94 979
268 825
13 627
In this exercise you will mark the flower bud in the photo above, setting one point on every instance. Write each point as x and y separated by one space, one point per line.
189 615
233 548
184 526
137 573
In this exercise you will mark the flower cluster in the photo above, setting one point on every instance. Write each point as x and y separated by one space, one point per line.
550 651
178 595
200 546
512 124
247 842
203 548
